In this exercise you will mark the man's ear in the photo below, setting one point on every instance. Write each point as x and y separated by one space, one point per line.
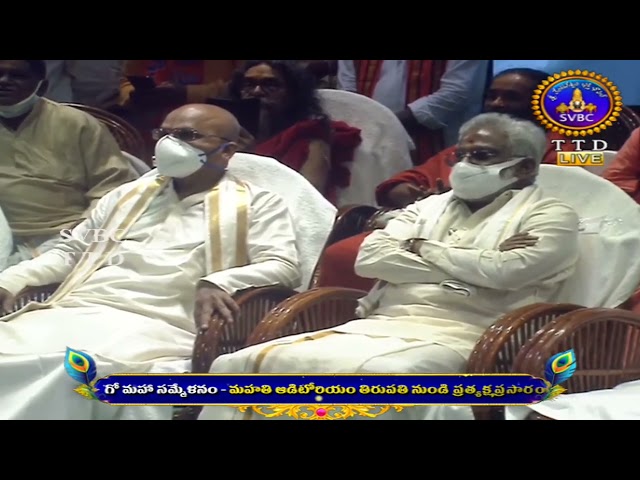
526 168
42 89
229 150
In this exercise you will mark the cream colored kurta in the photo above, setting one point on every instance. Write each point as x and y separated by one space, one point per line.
434 306
56 166
136 315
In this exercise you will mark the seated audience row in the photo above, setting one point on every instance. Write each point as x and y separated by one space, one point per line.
137 315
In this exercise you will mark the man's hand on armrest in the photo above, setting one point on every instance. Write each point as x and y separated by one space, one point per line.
213 302
405 194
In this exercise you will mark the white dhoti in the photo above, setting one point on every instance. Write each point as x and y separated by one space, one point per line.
619 403
6 241
35 385
328 351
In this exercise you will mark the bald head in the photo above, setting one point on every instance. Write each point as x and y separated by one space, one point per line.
206 120
211 130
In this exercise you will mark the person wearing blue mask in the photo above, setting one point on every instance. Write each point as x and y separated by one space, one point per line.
57 161
168 249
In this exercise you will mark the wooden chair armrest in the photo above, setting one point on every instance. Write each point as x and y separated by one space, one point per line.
374 222
222 338
350 220
313 310
32 294
605 341
496 350
598 336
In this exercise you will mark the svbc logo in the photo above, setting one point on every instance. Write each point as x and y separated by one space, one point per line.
578 104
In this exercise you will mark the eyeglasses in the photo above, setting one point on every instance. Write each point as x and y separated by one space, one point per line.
267 85
481 155
184 134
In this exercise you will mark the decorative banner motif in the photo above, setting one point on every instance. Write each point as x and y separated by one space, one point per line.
317 412
82 368
559 368
318 397
577 103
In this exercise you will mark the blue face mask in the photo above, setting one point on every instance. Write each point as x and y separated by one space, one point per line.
22 107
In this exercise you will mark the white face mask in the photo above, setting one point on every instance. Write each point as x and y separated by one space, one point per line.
177 159
474 182
22 107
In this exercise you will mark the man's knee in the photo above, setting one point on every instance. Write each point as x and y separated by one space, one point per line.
382 365
425 359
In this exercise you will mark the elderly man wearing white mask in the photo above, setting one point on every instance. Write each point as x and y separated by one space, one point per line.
448 266
179 243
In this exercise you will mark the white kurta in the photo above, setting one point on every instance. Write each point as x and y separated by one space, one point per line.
31 248
135 315
6 241
619 403
433 307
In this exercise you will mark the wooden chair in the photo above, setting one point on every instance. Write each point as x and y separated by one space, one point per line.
127 136
256 303
336 305
221 338
606 343
350 220
496 350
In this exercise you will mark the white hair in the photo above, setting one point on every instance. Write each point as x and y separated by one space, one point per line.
525 138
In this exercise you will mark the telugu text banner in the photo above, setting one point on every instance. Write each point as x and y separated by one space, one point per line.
191 389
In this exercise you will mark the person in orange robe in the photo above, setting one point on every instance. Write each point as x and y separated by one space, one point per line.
510 92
